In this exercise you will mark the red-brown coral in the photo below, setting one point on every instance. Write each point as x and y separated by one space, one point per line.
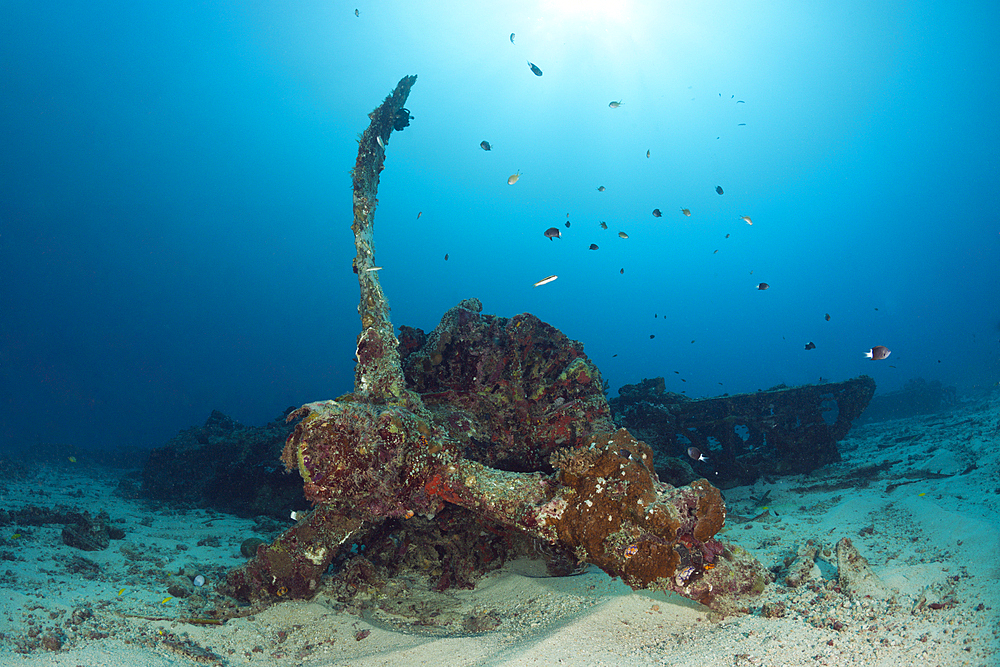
527 387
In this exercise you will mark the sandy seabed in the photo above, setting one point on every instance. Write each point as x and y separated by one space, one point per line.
919 498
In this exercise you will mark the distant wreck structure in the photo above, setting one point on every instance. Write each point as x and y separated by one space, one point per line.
780 431
457 443
917 397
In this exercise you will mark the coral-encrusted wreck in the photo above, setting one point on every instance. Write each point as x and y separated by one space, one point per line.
780 431
501 416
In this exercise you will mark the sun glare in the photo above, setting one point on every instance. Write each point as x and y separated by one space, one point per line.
618 11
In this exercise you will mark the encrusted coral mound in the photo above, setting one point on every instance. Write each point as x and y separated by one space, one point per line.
621 518
526 385
370 461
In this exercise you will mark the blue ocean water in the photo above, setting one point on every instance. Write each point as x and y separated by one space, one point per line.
175 199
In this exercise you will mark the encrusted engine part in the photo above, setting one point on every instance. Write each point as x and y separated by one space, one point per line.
527 387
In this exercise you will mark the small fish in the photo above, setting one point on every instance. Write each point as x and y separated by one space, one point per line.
686 211
567 224
762 286
121 591
378 138
446 257
652 336
356 13
810 345
622 272
71 459
718 188
615 105
647 153
511 38
419 213
545 281
601 188
534 69
593 246
513 178
656 213
746 219
696 454
715 251
553 233
374 268
604 225
622 235
739 101
631 550
741 124
878 352
297 515
167 599
727 236
485 145
827 317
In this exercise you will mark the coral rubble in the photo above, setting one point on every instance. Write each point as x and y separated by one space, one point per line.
81 530
855 575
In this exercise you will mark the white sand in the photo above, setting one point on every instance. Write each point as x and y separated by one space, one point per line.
936 537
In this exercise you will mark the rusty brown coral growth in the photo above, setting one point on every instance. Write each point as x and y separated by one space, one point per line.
622 519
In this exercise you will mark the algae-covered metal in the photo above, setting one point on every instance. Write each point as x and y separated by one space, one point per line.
378 375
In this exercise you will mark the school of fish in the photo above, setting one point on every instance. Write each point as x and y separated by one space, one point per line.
876 353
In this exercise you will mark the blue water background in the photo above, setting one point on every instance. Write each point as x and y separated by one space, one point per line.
175 199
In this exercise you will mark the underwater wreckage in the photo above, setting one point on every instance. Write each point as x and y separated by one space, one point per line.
777 431
504 417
